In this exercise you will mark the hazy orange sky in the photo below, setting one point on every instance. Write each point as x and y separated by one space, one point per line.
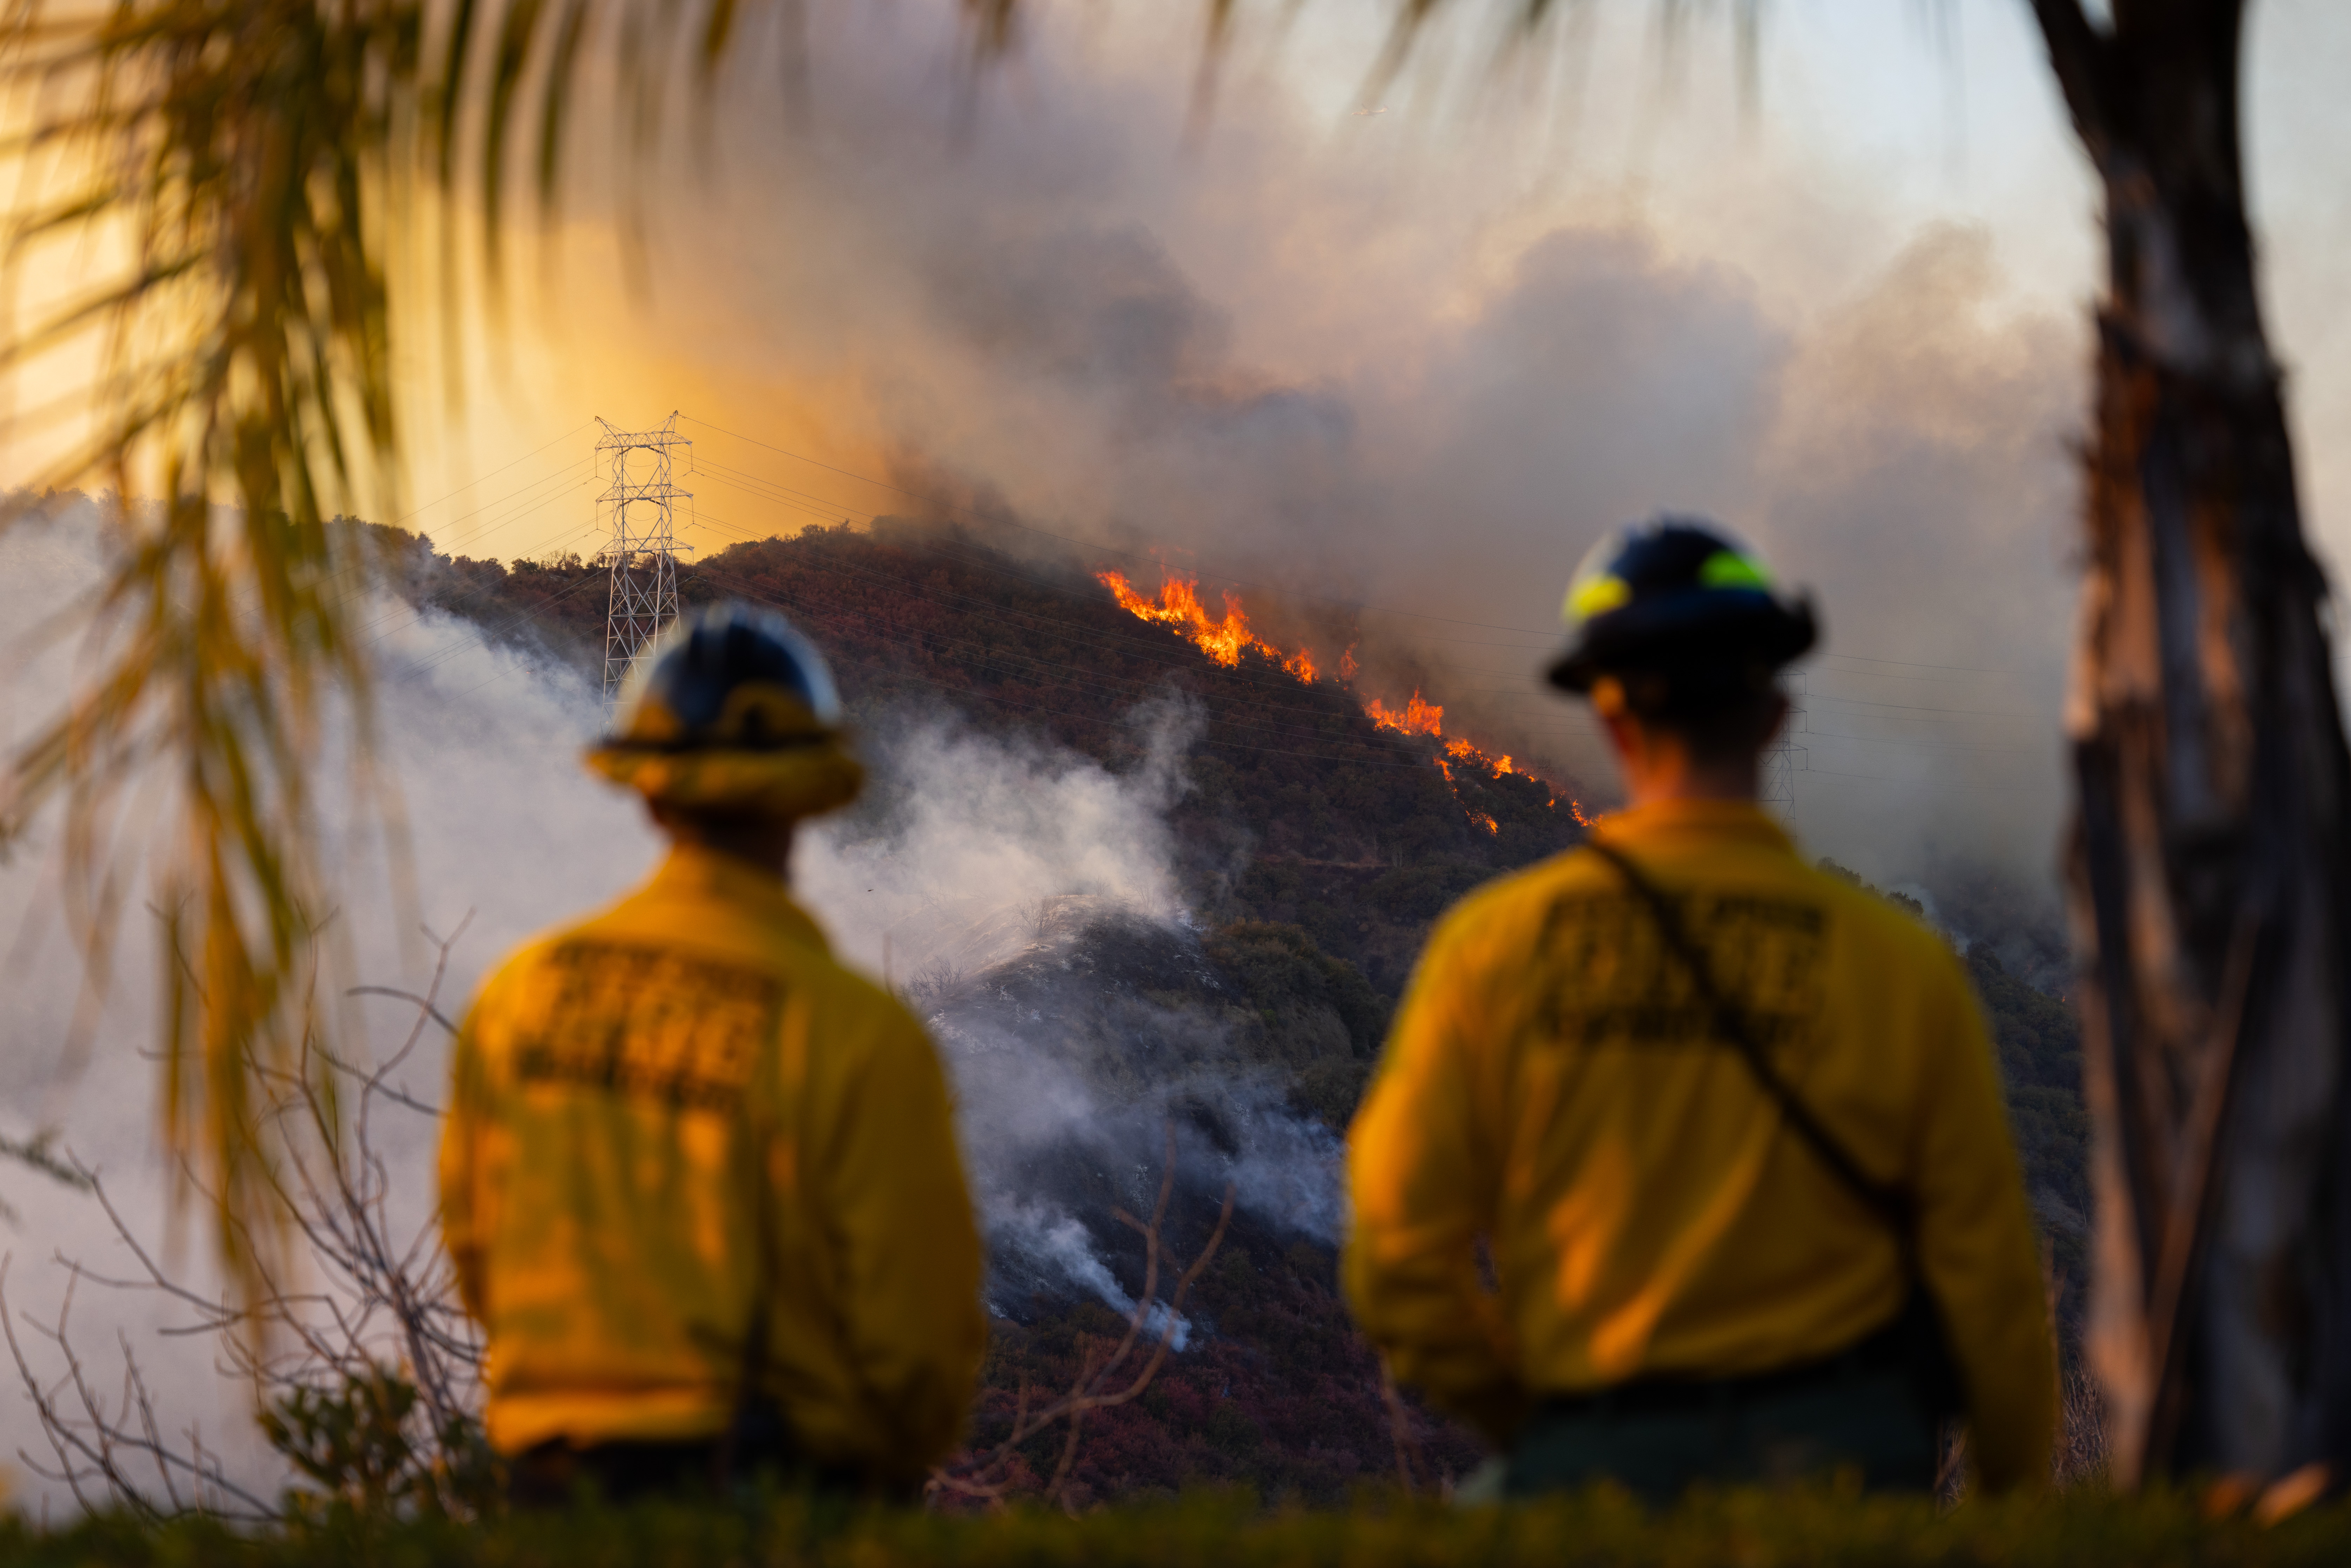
1416 349
1869 129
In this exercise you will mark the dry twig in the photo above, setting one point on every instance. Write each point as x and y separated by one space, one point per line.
382 1291
984 1475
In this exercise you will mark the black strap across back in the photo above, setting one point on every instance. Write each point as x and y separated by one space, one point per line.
1920 1322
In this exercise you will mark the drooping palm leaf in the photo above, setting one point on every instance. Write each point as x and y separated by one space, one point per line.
242 165
247 165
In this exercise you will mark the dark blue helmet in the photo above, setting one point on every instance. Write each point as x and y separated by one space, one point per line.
731 709
1683 598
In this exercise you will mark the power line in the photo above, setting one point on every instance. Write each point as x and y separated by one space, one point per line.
1912 664
753 594
643 560
1170 643
1113 549
1786 765
1936 785
499 469
1930 745
1921 707
764 488
828 508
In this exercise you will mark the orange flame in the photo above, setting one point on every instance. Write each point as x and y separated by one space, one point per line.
1466 751
1415 717
1223 639
1227 637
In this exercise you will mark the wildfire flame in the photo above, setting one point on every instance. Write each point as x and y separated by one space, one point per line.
1224 638
1462 750
1415 717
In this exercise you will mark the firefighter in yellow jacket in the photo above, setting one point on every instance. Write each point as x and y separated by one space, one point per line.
1726 1131
699 1182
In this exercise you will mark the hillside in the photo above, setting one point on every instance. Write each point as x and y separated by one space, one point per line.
1301 809
1314 847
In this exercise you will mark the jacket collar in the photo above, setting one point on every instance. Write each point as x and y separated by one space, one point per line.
693 874
1706 822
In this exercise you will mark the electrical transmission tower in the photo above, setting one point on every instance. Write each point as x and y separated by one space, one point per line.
1786 759
643 497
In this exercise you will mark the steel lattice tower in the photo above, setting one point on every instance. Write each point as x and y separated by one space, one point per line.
643 548
1786 759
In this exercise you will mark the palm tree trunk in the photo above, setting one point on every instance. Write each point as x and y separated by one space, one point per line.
2210 891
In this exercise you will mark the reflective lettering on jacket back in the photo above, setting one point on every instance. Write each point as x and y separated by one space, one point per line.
649 1024
1610 980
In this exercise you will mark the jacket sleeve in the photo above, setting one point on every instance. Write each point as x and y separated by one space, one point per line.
906 1248
1978 1249
1423 1178
462 1125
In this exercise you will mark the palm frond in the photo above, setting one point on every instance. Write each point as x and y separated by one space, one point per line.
248 160
251 160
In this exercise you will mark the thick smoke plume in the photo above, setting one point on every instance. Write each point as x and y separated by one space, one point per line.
1025 900
966 838
1418 370
1364 364
1022 896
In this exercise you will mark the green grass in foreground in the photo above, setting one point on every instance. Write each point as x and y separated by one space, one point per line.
1749 1530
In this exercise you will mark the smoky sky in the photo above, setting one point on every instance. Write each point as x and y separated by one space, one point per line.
1262 352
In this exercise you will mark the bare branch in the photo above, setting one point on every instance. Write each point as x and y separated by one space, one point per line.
406 996
1408 1444
94 1445
980 1475
380 1336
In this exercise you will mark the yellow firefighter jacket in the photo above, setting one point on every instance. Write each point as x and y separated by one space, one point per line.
1553 1085
680 1124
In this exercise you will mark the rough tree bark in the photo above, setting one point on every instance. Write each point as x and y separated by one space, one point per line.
2208 861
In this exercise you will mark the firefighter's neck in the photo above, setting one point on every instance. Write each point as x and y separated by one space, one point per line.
1657 764
763 841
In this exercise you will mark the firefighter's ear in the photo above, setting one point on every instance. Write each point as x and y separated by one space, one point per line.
1608 697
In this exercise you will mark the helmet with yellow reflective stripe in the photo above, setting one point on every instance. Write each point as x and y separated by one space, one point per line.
1685 600
731 709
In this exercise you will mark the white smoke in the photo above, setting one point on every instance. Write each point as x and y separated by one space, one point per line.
1049 1236
970 837
503 834
971 845
1423 365
976 850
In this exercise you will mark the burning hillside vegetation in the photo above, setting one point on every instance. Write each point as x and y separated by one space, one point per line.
1220 951
1225 638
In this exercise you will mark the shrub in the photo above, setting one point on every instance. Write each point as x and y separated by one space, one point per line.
1820 1526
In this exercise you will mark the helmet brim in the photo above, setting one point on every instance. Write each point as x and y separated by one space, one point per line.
1693 631
798 782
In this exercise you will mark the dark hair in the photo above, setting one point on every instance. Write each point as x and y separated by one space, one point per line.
1722 713
716 820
